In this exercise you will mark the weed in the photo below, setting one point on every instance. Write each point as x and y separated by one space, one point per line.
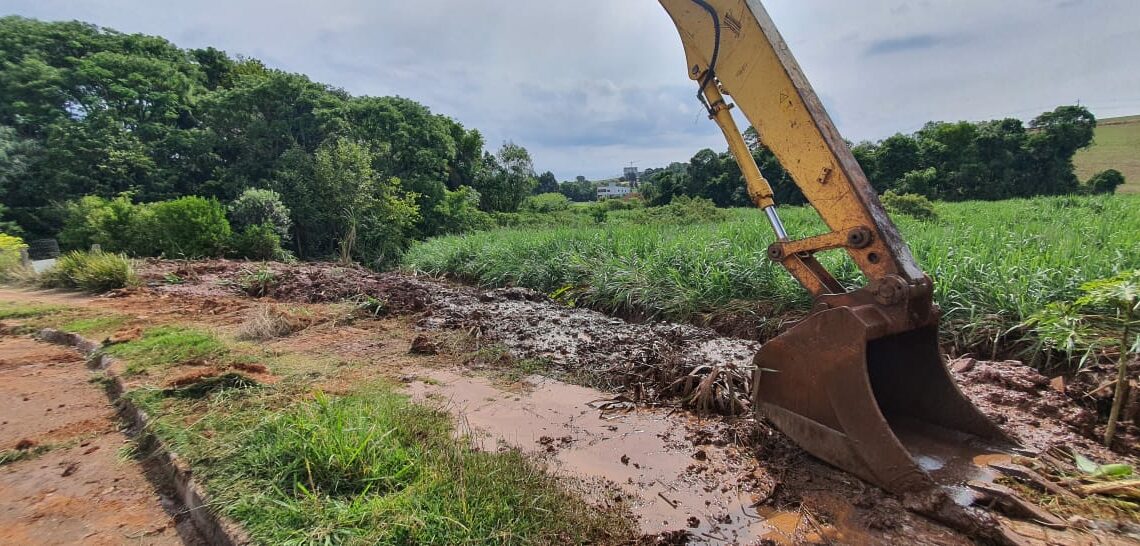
168 346
90 271
258 283
371 305
172 278
9 456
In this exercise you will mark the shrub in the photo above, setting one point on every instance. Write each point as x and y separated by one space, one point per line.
259 242
458 212
90 271
260 208
258 283
191 227
913 205
1105 181
116 225
683 210
546 202
11 262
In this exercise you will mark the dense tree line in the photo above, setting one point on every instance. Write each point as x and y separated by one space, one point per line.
88 111
989 160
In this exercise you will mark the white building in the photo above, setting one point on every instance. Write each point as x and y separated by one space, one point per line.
613 190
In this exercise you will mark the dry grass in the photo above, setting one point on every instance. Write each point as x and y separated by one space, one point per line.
266 322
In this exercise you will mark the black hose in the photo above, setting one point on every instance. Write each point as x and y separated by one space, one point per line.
711 72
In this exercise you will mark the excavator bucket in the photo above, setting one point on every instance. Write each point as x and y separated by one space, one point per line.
883 408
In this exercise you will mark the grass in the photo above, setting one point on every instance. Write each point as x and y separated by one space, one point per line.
168 346
993 263
9 310
9 456
296 467
93 272
1116 146
100 324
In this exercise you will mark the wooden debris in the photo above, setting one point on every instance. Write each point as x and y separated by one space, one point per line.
1118 488
1032 478
1009 502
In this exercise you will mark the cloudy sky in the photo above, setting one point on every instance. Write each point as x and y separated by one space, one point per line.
590 86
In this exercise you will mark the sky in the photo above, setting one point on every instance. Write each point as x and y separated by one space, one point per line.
592 86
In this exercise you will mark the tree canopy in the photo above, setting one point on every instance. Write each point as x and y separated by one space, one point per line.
89 111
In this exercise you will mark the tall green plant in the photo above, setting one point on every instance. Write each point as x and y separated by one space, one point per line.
1104 318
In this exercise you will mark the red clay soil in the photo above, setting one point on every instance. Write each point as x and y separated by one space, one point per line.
73 487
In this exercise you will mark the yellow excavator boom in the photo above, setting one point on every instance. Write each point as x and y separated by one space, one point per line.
860 382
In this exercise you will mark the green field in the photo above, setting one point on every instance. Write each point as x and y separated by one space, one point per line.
994 263
1117 146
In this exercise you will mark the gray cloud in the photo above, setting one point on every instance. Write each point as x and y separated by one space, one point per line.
589 86
906 43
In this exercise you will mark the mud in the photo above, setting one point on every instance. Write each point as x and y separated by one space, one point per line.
1027 405
644 373
648 361
79 491
678 474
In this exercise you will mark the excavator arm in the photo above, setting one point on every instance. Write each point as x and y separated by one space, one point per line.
860 382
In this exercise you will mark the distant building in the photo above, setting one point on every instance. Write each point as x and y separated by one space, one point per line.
631 175
613 190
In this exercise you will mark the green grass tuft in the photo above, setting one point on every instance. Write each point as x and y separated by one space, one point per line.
90 271
368 468
168 346
96 325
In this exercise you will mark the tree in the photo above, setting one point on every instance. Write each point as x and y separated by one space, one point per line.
894 157
660 186
259 207
579 190
507 179
459 212
191 227
369 218
547 183
1105 181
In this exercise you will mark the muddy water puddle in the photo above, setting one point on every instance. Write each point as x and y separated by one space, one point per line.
952 459
638 457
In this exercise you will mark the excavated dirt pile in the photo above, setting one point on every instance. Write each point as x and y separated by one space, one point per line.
1040 412
299 282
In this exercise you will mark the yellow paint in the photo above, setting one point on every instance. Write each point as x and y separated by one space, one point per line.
756 69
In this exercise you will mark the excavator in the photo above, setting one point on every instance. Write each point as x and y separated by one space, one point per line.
860 382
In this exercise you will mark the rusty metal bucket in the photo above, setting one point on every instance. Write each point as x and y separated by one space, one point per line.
866 401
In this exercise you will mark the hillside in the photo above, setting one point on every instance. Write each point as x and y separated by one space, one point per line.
1117 146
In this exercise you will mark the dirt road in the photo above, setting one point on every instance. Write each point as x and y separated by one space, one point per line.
76 483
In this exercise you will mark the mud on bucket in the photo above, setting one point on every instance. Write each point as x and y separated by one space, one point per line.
865 402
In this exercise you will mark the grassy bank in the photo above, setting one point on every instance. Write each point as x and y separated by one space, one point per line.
296 466
1115 146
994 263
